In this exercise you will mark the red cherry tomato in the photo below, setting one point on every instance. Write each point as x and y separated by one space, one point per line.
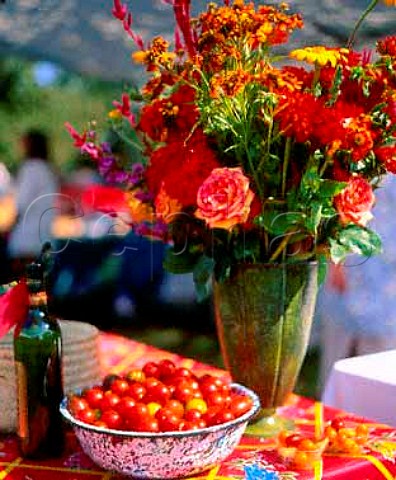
210 415
151 382
216 399
111 418
124 406
151 369
176 406
337 423
120 387
77 404
192 415
137 412
293 440
159 393
109 401
137 391
223 416
147 424
240 404
193 425
208 385
167 368
100 424
94 397
180 373
168 422
183 392
87 416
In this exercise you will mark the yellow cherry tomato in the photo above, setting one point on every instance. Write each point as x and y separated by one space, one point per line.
307 445
153 408
300 459
136 375
197 404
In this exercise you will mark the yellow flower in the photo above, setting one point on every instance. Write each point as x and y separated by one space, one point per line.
319 55
141 56
114 114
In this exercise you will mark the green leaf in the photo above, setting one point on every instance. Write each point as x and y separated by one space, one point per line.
175 262
312 220
202 275
355 239
279 223
329 188
338 252
360 240
246 248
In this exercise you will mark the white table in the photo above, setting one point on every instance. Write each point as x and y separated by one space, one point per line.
364 385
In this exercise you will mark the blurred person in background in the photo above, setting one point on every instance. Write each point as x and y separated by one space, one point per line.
7 218
35 189
357 305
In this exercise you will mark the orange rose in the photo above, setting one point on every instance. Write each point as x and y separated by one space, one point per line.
224 198
355 202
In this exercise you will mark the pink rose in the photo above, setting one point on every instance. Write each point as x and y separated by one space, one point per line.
224 198
354 203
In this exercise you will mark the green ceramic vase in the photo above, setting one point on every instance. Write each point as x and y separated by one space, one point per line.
263 317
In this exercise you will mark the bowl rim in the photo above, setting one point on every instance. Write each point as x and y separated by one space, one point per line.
150 435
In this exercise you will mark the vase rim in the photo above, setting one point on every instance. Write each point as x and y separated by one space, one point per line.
275 265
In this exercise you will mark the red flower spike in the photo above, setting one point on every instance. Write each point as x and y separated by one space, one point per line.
13 308
119 10
125 108
79 140
181 9
178 42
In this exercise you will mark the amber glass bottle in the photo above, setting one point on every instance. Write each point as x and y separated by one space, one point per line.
37 352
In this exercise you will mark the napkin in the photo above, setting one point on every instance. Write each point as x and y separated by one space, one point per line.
14 305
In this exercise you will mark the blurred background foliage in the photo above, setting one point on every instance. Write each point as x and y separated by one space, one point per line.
30 99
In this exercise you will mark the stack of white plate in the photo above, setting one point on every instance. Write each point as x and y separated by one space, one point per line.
81 366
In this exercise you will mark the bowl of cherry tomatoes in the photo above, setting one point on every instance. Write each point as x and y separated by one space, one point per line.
161 421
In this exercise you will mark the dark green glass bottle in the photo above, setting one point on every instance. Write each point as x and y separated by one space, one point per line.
37 352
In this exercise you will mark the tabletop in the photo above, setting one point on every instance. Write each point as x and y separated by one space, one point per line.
119 354
365 385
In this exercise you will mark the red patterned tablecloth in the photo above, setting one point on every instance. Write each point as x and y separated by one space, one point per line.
119 354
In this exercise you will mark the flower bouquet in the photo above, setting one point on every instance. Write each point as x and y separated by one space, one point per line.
247 155
253 158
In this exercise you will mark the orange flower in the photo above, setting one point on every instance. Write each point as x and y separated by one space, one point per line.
390 3
166 207
156 55
224 198
139 211
229 83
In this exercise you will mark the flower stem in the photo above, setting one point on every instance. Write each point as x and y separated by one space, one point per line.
352 36
282 246
285 165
